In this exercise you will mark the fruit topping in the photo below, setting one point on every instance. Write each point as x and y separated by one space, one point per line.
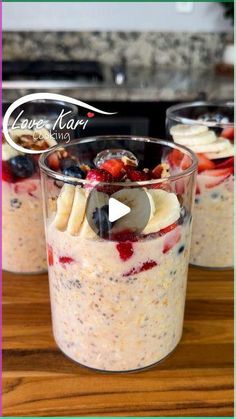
226 163
74 171
136 175
101 221
228 133
161 171
64 206
149 264
50 255
66 162
65 259
99 175
7 174
171 239
125 250
54 161
22 166
115 167
204 163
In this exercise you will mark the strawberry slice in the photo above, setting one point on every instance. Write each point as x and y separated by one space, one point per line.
50 255
217 176
157 171
172 239
204 163
125 250
227 163
65 259
175 158
7 175
54 161
228 133
115 167
149 264
99 175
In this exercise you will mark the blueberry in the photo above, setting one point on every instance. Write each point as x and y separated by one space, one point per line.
22 166
74 171
181 249
15 203
67 162
101 221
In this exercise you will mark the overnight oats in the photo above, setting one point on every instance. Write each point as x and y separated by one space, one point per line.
118 283
208 130
23 234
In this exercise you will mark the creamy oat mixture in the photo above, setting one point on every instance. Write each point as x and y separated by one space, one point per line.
106 314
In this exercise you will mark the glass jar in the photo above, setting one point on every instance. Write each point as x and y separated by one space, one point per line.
208 130
22 214
118 279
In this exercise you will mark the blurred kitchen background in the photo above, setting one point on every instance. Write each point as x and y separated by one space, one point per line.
133 58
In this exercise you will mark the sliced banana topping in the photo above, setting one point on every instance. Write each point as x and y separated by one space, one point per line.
167 210
185 131
64 206
219 145
201 140
77 211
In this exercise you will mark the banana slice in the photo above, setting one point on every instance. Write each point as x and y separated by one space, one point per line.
77 211
227 152
64 206
180 130
219 145
9 152
167 210
95 200
207 137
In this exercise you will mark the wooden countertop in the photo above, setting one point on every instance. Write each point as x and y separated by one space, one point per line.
196 380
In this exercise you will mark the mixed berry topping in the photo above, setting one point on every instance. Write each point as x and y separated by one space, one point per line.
74 171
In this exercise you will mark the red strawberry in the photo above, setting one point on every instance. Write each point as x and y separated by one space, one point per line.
226 163
115 167
217 176
137 175
149 264
99 175
228 133
125 250
50 255
175 158
7 175
65 259
167 229
54 161
172 239
204 163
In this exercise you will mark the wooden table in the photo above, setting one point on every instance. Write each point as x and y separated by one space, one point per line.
196 380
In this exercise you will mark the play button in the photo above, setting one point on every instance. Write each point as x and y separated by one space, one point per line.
117 210
114 210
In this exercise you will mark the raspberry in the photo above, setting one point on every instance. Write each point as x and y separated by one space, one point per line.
136 175
115 167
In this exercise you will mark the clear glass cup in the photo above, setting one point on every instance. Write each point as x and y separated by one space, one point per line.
118 288
208 130
22 215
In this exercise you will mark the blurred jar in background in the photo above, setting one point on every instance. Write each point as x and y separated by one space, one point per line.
208 130
22 214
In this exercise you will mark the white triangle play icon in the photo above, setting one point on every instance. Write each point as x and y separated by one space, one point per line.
117 210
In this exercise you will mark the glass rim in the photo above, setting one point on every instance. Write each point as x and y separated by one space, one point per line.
184 120
64 178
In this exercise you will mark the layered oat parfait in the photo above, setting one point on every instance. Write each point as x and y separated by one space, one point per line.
118 287
208 130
